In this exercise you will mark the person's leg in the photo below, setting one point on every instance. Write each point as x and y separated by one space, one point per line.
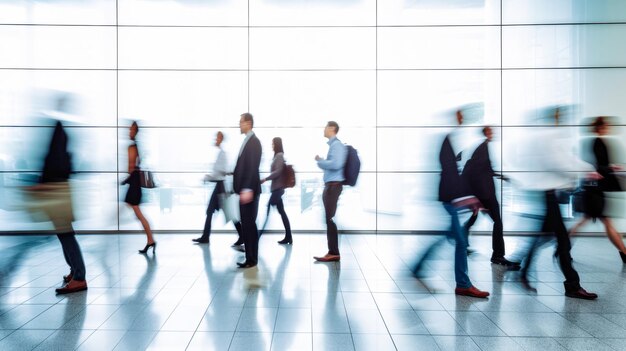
555 221
65 254
211 208
74 255
144 223
613 235
270 203
239 233
250 232
576 227
283 215
460 251
497 236
330 198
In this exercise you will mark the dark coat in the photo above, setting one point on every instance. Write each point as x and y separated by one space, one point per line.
452 185
603 166
479 174
246 174
57 164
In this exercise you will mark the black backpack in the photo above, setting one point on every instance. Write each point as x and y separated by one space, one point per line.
352 167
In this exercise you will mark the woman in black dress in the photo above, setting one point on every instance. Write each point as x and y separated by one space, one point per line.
133 196
593 196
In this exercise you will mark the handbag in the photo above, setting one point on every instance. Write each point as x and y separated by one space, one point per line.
229 202
146 180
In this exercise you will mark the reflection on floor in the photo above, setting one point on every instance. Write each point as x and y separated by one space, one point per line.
192 297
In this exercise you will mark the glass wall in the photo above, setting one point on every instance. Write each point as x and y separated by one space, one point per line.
391 73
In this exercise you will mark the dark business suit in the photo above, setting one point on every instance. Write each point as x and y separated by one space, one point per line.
479 176
246 176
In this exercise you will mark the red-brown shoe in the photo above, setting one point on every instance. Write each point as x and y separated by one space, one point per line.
72 286
328 258
472 292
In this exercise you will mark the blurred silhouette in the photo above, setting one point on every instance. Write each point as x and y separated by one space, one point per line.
456 196
54 196
247 183
133 195
333 167
593 195
220 169
278 189
555 159
479 175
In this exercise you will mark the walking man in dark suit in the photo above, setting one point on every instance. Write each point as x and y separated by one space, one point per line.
479 175
247 183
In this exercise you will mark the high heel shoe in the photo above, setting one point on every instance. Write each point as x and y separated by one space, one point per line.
286 241
623 256
148 246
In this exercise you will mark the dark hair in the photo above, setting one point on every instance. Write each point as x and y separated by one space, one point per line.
136 126
485 129
247 116
278 145
333 124
598 123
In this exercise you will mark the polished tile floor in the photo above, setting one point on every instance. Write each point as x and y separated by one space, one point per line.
191 297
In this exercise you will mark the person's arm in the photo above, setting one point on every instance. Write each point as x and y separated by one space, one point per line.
132 158
277 167
336 157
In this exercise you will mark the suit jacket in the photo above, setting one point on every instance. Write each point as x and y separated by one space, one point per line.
246 174
479 174
452 185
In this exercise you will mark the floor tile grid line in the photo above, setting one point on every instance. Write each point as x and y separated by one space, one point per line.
147 305
562 314
15 330
230 344
370 292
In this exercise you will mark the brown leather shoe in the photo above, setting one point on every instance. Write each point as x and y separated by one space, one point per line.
328 258
581 294
72 286
472 292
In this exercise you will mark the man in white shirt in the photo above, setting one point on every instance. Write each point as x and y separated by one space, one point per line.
220 169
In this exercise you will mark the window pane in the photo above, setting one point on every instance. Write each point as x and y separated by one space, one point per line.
183 48
403 12
313 13
312 48
310 99
563 46
427 98
57 12
184 98
454 47
563 11
57 47
186 13
88 96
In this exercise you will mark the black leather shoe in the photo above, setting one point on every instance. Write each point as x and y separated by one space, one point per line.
200 241
246 264
504 262
581 294
286 241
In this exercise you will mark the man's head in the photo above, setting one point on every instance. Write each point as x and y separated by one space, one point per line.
331 129
219 137
459 117
246 123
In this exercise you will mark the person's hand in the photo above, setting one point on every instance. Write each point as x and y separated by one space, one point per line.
317 157
594 176
246 197
263 180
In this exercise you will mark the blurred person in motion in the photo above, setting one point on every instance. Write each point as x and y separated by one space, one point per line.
133 195
54 195
220 169
333 167
593 195
278 189
247 183
551 152
456 196
479 176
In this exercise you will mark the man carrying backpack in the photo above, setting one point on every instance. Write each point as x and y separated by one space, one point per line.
333 167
